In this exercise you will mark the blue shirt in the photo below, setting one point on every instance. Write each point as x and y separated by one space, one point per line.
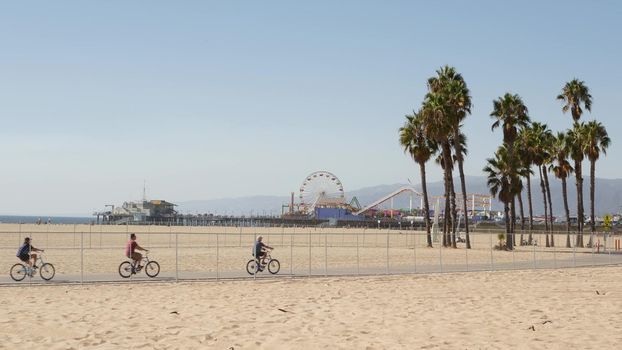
23 250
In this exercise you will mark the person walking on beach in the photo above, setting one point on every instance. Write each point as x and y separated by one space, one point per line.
260 251
25 253
131 252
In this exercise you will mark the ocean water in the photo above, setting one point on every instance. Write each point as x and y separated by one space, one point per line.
15 219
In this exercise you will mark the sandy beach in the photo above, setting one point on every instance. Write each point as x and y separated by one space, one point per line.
546 309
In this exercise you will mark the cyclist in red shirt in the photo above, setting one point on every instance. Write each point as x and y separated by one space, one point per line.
131 251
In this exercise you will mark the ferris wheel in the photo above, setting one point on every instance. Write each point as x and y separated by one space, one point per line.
321 188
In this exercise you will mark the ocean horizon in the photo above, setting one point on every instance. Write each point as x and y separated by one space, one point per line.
33 219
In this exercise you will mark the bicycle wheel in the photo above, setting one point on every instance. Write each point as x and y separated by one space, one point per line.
152 269
18 272
251 267
274 266
125 269
47 271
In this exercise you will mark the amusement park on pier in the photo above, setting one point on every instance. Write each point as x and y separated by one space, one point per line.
320 200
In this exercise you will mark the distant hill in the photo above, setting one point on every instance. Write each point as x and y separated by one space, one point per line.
608 198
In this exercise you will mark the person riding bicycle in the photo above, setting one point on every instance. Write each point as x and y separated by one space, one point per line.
131 251
24 253
260 250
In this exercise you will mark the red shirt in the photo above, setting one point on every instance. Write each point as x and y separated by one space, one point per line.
130 248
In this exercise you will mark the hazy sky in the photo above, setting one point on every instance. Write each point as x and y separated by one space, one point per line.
233 98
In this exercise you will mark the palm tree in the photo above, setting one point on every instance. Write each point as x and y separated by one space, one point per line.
452 85
437 126
539 135
575 146
502 173
421 149
548 145
574 94
526 145
512 115
596 141
562 169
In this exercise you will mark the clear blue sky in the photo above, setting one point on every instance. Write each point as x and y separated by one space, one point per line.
233 98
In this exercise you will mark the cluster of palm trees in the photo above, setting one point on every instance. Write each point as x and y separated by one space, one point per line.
527 144
434 131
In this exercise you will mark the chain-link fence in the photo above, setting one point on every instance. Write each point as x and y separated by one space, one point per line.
89 253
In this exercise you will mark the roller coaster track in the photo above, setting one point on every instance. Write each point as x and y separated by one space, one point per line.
389 196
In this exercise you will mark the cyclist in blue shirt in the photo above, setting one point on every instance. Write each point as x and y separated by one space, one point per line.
25 253
260 250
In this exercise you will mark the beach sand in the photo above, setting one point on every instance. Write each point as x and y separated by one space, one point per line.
542 309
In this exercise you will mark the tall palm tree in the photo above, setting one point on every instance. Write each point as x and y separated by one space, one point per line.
438 127
562 169
511 115
421 149
574 94
548 145
575 148
525 142
501 174
453 87
539 135
596 141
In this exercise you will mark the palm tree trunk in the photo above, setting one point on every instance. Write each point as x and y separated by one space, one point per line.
522 216
565 196
450 187
530 208
546 219
548 195
458 147
446 215
579 184
426 204
592 189
464 200
513 224
454 212
506 210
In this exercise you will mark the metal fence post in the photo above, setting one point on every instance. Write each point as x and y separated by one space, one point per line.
81 257
217 256
387 272
176 257
533 245
440 254
325 254
492 260
466 258
309 253
574 250
414 248
554 251
358 264
291 253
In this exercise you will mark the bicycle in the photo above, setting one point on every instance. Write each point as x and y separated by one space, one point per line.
128 268
19 271
253 265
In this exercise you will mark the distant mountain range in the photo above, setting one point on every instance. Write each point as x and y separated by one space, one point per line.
608 198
